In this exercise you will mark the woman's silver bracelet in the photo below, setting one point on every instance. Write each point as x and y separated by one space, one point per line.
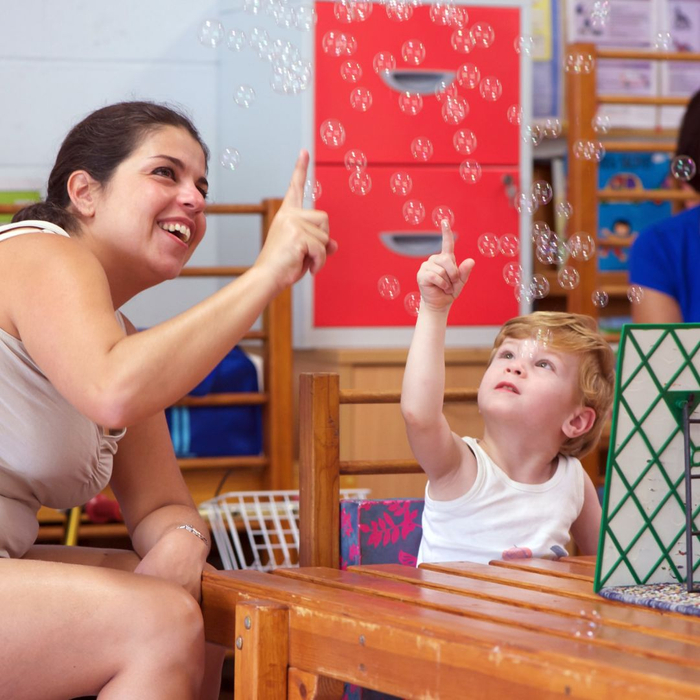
194 531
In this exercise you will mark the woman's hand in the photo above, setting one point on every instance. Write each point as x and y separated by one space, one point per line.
440 279
178 556
298 239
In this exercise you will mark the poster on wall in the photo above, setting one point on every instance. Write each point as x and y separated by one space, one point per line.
630 25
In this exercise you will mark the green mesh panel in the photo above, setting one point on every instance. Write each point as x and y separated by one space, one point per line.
642 538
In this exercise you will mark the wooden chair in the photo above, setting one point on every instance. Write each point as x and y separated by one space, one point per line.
320 466
273 469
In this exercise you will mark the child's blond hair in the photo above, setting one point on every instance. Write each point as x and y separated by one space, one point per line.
577 335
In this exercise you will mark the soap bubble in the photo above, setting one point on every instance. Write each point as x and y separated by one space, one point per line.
445 89
564 210
483 35
332 133
338 44
462 40
515 114
348 11
211 33
361 99
589 150
549 249
389 287
579 63
413 211
304 17
470 171
525 203
464 142
663 41
312 190
581 246
383 62
488 245
683 168
422 149
524 45
355 160
539 286
468 76
600 298
230 158
252 7
601 124
542 192
442 213
410 103
539 228
244 96
635 294
400 183
351 71
551 128
259 40
509 245
236 40
360 182
568 277
532 133
491 88
454 110
413 52
399 10
411 303
512 273
447 14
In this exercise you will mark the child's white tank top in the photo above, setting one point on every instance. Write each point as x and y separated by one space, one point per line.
499 518
50 454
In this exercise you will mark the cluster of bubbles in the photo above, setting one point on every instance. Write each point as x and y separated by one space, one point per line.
390 289
290 73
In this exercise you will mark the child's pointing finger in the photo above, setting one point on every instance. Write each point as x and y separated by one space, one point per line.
448 238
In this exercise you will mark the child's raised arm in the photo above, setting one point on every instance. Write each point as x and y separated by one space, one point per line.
440 279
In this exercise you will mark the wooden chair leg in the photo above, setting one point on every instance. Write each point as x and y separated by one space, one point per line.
302 685
262 651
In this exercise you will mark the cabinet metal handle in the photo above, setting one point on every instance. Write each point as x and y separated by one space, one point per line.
412 244
424 82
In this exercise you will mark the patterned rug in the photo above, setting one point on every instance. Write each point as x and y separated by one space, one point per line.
662 596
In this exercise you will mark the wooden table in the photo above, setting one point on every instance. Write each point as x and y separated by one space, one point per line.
520 629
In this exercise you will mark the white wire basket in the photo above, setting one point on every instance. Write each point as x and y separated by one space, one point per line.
259 529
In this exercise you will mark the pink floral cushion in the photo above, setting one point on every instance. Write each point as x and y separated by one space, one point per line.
380 532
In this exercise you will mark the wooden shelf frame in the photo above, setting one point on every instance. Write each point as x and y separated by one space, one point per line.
583 191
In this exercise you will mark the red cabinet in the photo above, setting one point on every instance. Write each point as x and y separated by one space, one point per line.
382 114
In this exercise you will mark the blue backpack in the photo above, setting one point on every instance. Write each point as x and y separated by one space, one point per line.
217 431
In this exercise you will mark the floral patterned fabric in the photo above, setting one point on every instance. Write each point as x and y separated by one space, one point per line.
380 532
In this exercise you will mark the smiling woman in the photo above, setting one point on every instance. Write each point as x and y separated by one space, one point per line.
83 397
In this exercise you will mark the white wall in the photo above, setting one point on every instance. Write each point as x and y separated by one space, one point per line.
60 59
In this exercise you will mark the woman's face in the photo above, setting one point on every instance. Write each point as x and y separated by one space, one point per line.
150 215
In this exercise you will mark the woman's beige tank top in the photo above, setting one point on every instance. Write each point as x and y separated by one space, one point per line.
50 454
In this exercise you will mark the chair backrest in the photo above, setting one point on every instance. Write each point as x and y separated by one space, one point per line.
320 466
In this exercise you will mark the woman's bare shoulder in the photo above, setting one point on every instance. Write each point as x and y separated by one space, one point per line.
43 268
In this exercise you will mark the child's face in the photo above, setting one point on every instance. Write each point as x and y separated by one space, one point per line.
530 385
